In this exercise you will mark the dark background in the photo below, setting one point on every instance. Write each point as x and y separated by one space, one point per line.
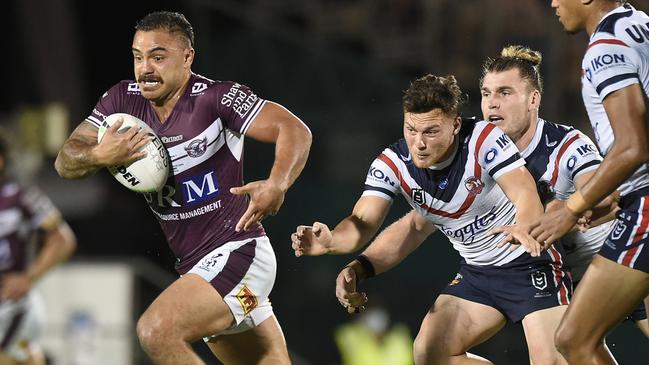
341 66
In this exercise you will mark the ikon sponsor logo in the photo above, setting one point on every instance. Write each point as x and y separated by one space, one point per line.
379 175
247 299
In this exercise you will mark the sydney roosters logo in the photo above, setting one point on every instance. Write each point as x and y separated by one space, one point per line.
474 185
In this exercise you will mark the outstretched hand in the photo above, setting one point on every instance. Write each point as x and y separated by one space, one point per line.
121 148
312 240
518 235
554 224
265 199
346 291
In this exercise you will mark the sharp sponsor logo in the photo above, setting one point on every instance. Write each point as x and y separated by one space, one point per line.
247 299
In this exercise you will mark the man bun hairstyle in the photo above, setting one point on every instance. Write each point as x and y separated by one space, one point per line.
167 20
526 60
434 92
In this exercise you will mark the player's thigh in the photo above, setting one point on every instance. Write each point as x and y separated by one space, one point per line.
540 328
191 307
263 344
607 293
456 325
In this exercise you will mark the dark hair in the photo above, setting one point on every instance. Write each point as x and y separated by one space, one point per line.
526 60
433 92
171 21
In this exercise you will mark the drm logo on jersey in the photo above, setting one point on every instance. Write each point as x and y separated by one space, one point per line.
603 62
200 188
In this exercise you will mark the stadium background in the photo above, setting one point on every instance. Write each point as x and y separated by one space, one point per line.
339 65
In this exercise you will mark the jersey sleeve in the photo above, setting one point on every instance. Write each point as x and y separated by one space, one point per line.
382 178
108 104
238 106
610 65
496 153
39 208
581 156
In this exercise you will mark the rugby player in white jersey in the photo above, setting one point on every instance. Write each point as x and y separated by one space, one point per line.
615 82
464 179
560 158
34 239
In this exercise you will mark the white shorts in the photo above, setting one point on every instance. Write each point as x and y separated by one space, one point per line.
243 272
21 324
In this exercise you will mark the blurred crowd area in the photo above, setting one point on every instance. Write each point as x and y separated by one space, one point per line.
340 65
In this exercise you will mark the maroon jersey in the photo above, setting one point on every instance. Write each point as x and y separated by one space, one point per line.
23 212
204 138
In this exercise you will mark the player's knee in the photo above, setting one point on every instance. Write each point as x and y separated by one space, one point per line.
565 340
153 332
426 349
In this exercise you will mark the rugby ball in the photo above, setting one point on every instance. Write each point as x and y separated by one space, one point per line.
147 174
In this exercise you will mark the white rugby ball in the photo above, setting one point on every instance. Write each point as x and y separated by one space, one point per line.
147 174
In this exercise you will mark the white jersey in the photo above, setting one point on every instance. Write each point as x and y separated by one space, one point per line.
555 157
617 57
460 195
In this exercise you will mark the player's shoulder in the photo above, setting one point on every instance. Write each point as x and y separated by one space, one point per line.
557 131
622 27
397 150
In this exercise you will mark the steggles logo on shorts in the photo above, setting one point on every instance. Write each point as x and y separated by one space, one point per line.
247 299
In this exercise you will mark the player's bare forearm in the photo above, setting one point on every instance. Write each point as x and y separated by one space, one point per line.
75 159
291 153
397 241
357 230
520 188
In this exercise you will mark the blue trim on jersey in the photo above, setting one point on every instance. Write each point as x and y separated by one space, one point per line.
587 164
382 190
551 137
504 164
608 24
615 79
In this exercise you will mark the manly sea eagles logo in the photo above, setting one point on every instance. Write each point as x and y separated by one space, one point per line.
197 147
473 185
